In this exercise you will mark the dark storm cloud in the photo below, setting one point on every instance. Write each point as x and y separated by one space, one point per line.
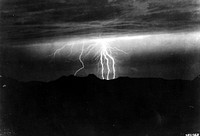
22 20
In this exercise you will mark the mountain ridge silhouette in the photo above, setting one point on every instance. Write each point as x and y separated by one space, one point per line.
74 105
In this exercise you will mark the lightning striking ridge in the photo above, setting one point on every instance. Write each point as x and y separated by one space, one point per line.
106 56
102 67
80 59
101 51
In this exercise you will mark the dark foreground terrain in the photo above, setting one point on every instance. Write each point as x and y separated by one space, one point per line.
88 106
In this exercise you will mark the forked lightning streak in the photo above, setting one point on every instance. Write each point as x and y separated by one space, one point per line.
103 52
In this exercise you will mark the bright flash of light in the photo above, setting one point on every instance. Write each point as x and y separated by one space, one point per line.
104 53
106 56
116 45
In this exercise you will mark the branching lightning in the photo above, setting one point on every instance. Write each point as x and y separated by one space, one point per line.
102 51
106 56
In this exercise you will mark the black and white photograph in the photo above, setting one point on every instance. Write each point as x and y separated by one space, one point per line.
99 67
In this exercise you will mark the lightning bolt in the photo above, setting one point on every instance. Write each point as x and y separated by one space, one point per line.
102 51
80 59
106 55
102 67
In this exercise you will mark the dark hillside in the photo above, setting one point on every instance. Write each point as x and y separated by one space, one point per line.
88 106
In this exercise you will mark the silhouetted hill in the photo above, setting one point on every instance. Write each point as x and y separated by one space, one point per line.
197 78
89 106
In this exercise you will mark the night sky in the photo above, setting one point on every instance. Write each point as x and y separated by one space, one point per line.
161 38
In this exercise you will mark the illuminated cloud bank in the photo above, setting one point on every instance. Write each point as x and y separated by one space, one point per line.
109 51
